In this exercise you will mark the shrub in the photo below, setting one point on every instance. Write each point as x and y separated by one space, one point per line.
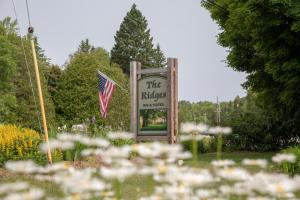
21 144
288 167
205 145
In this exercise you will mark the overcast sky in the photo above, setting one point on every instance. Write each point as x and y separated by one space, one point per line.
182 28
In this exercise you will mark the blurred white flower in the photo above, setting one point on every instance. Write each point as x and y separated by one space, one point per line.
180 162
12 187
277 185
284 157
79 181
117 173
260 198
222 163
236 189
233 174
98 142
57 144
283 188
146 170
27 166
32 194
193 137
174 191
193 127
258 162
205 193
43 177
55 167
71 137
120 135
219 130
192 178
155 149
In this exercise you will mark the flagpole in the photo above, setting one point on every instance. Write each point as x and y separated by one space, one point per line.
102 74
36 67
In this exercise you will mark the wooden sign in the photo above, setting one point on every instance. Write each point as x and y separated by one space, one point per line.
154 102
152 92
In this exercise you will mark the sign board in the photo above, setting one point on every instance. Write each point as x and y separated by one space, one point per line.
152 92
154 106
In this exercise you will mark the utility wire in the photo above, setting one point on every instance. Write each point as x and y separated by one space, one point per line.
28 15
27 65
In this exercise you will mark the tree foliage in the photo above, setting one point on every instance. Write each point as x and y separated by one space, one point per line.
53 73
134 43
85 47
77 99
7 69
263 38
200 112
16 99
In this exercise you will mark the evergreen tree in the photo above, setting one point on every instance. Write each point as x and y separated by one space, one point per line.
53 74
134 43
85 46
159 59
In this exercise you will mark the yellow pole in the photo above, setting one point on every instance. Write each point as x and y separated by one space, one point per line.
41 100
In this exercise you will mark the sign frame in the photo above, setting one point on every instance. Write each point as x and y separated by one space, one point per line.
171 73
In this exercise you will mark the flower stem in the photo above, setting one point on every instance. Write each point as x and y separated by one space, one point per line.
118 189
219 146
150 185
195 149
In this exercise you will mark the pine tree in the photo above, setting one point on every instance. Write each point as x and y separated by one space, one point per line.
85 47
53 74
133 42
159 59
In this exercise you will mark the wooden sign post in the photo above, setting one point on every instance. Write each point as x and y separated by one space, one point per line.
154 102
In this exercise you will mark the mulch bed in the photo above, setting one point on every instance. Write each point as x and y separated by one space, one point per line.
5 174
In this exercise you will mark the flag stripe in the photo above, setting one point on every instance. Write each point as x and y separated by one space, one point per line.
106 89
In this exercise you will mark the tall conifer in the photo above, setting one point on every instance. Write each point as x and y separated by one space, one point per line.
133 42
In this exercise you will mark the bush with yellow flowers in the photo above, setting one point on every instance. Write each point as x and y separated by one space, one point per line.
20 143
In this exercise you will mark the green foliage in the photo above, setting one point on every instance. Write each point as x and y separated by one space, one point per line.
121 142
251 123
7 69
16 98
159 59
75 153
263 38
134 43
201 112
8 105
77 98
53 74
85 47
250 126
206 145
7 64
288 167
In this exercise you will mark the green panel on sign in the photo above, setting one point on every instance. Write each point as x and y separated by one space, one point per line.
153 121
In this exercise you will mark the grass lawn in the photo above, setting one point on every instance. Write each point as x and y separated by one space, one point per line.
205 159
237 156
136 186
155 127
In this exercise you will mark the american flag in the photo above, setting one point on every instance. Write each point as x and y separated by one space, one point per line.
106 89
